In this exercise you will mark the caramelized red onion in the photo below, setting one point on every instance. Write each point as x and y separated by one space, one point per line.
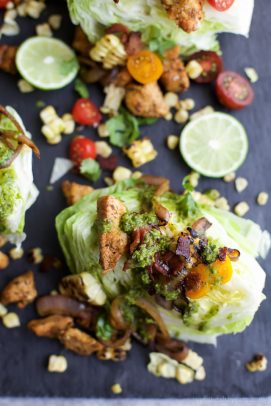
148 307
116 317
175 349
233 254
161 212
201 226
183 246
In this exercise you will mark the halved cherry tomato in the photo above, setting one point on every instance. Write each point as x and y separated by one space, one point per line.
3 3
221 5
85 112
203 277
211 64
82 148
145 67
233 91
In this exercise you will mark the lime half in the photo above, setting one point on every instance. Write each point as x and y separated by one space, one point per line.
214 145
46 63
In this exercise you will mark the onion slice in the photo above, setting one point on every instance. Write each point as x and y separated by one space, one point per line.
145 305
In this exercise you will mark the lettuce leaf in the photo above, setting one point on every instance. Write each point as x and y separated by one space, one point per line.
149 17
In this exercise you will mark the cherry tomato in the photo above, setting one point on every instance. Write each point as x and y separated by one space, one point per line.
233 91
82 148
221 5
145 67
211 64
3 3
85 112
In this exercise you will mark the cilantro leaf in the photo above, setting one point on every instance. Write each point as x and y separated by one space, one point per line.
187 184
81 88
90 169
104 331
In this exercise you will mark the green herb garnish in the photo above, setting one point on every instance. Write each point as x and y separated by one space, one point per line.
90 169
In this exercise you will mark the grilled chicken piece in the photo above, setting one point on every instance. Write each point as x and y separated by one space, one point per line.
73 191
186 13
113 241
81 43
146 100
51 326
79 342
7 58
174 77
20 290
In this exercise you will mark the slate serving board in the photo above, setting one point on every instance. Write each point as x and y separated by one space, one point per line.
23 357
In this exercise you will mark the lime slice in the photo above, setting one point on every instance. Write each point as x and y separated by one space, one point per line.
214 145
46 63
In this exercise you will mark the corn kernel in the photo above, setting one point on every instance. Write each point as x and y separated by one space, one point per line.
116 389
241 209
194 179
48 114
252 75
240 184
262 198
3 310
16 253
193 69
230 177
57 125
34 8
55 21
55 140
44 30
10 29
21 10
181 116
69 126
168 116
103 131
10 16
140 152
172 141
57 363
24 86
222 203
171 99
11 320
103 149
121 173
187 104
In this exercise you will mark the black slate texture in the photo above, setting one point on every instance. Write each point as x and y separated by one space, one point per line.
23 356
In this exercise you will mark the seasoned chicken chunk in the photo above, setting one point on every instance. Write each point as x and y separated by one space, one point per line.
146 100
77 341
113 241
186 13
73 191
51 326
20 290
7 58
174 77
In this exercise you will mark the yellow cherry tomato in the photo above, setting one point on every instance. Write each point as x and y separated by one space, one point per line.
222 270
145 67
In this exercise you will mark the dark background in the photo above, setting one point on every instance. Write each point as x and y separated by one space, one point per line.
23 357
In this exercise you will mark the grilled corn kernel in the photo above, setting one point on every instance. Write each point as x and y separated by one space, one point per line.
103 131
193 69
241 184
172 141
121 173
55 21
44 30
241 209
252 75
171 99
69 126
35 256
10 29
140 152
24 86
168 116
57 363
113 99
222 203
110 51
4 260
200 374
16 253
10 16
184 374
103 149
108 181
11 320
262 198
187 104
3 310
57 125
55 140
202 112
34 8
48 114
181 116
116 389
230 177
21 10
166 370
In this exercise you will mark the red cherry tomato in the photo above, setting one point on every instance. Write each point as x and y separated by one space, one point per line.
82 148
3 3
233 91
85 112
211 64
221 5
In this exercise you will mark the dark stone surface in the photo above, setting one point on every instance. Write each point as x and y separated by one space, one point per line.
23 356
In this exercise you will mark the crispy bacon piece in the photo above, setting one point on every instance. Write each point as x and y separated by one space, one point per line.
108 164
7 58
138 236
233 254
183 246
134 43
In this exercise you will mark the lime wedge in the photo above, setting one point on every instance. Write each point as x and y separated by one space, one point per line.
46 63
214 145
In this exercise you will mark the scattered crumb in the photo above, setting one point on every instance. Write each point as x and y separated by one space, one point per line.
57 363
116 389
172 141
257 364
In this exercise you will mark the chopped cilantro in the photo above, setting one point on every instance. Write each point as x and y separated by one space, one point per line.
104 331
81 88
131 221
